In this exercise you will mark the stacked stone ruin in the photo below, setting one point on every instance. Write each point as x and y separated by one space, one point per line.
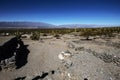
8 55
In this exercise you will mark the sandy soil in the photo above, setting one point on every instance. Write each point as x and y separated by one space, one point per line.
80 65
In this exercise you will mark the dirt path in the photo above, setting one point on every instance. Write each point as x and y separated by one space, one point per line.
42 57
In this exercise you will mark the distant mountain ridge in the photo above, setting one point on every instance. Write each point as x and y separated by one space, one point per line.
84 25
47 25
25 25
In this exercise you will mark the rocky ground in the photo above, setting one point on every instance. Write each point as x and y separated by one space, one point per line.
68 58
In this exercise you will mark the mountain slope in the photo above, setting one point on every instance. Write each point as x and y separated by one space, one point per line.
47 25
25 25
84 25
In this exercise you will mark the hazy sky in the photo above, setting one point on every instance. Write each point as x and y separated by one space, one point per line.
61 11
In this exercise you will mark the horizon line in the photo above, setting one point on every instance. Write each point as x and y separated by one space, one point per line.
61 24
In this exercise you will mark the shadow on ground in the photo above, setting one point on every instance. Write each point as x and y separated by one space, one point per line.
14 47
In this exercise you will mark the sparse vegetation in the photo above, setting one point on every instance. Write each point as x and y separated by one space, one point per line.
101 55
87 33
18 35
35 36
44 34
107 31
57 36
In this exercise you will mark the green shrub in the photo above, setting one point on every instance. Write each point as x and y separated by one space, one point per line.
87 33
35 36
57 36
18 35
45 34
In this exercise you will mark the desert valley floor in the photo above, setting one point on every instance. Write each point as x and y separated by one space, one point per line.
67 58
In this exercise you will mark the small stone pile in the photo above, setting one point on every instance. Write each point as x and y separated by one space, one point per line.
66 63
106 57
8 64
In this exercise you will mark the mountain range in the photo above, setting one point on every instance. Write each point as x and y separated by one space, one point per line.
25 25
47 25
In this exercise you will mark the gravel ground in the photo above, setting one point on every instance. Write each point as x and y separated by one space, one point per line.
78 63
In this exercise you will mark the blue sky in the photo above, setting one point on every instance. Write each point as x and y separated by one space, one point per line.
61 11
